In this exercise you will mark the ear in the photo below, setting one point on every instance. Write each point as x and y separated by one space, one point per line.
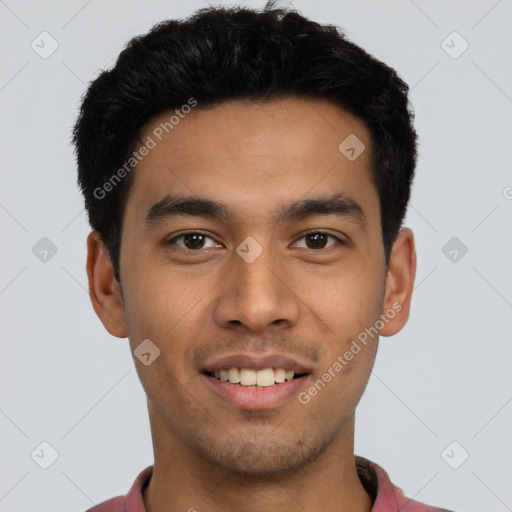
104 290
399 283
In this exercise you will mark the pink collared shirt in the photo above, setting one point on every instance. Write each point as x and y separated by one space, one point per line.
386 496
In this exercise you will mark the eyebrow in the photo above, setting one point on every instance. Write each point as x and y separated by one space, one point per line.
175 206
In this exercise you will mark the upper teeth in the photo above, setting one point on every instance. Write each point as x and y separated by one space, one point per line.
247 377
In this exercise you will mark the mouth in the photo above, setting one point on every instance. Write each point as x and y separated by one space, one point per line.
261 390
255 379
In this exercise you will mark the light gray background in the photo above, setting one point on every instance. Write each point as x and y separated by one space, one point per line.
446 377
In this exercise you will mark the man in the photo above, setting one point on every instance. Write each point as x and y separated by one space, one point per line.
246 175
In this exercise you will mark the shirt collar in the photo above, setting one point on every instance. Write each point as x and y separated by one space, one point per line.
386 496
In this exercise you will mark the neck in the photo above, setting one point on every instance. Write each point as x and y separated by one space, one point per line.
182 480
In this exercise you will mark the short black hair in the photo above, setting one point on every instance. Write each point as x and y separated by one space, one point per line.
220 54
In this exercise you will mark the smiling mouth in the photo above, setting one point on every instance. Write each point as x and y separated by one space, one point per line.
255 379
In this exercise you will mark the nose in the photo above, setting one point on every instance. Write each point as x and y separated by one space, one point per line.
258 295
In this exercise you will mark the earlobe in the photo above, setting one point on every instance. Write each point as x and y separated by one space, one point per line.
399 283
104 290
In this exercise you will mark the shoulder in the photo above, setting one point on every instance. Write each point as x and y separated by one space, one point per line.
131 502
385 494
116 504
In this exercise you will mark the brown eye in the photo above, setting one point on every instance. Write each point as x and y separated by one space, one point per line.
192 241
318 240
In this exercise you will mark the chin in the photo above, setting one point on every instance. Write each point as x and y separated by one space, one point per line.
264 460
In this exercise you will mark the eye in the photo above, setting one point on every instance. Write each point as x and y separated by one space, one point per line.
193 241
318 240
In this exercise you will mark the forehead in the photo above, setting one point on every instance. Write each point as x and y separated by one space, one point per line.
251 153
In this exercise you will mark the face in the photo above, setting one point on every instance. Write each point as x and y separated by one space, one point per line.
251 241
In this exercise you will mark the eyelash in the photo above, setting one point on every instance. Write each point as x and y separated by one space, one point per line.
339 240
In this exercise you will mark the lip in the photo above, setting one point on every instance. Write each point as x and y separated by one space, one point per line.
256 362
243 397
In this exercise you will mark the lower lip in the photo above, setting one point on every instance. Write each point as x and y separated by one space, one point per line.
245 397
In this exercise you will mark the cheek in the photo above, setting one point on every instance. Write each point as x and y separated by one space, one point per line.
157 311
158 299
348 305
347 300
165 308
